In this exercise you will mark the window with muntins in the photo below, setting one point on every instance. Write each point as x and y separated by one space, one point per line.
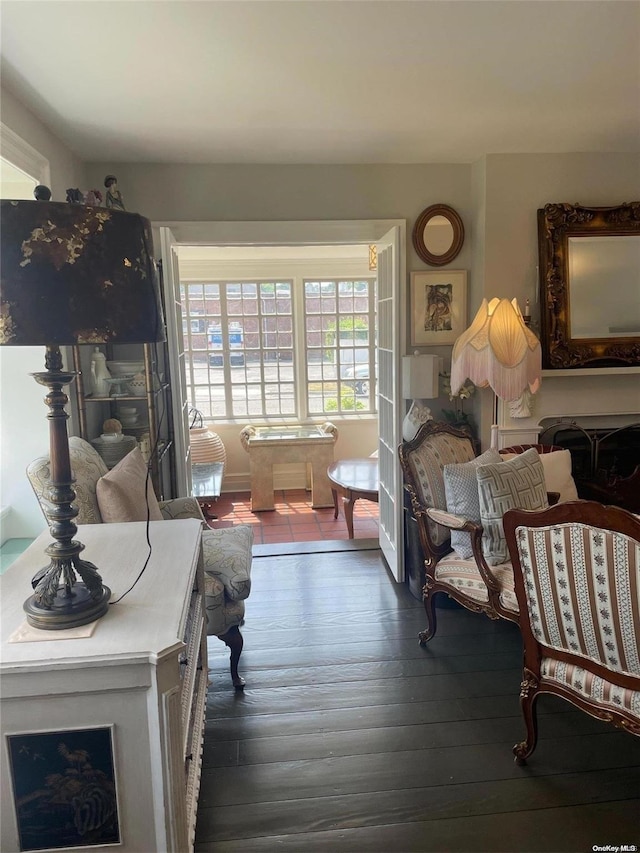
280 350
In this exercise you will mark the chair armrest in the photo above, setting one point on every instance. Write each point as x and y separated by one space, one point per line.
431 548
457 522
450 520
227 556
181 508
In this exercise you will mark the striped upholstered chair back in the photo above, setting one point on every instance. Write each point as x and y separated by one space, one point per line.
577 580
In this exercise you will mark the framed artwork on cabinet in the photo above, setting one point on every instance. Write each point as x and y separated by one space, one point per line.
64 788
438 306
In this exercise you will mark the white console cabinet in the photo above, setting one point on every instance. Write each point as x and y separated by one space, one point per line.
135 679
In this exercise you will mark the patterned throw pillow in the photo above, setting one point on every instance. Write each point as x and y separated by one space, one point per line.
461 489
517 483
557 473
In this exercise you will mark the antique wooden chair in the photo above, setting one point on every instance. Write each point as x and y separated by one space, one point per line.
577 581
446 511
467 580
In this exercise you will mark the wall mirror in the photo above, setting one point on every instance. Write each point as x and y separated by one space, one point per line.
438 235
589 285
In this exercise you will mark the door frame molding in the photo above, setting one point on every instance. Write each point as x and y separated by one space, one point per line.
286 233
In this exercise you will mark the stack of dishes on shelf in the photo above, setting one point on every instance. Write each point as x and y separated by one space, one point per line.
113 447
128 416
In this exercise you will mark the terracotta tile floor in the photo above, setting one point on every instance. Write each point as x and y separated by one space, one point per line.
293 519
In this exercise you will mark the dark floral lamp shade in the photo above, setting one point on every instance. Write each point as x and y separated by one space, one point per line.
72 274
75 274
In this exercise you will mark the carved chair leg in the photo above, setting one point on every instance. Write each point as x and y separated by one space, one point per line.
234 640
528 696
428 598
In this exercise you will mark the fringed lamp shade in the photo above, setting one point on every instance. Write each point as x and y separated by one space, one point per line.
75 274
499 351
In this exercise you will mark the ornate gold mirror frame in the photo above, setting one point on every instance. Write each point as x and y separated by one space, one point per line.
430 225
606 271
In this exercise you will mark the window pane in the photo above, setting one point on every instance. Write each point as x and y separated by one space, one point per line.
236 336
240 345
340 346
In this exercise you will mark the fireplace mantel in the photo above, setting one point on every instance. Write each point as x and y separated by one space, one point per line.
606 397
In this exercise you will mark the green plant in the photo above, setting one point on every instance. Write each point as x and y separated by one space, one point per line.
348 402
349 328
457 414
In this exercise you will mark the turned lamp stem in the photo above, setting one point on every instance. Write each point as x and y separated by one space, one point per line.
58 596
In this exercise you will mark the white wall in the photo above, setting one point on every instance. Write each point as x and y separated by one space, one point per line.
24 429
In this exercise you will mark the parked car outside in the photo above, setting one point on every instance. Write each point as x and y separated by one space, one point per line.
236 342
359 373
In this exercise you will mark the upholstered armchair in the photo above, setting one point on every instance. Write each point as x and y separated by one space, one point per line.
458 500
577 581
227 551
454 564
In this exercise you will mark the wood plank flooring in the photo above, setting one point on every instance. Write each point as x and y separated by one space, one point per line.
351 737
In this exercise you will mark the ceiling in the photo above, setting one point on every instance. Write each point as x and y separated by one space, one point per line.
328 81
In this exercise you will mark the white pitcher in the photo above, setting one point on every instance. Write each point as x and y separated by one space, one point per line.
99 374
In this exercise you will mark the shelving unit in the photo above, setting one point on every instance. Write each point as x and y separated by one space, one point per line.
155 431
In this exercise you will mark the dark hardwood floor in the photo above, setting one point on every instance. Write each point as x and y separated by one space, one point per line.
351 737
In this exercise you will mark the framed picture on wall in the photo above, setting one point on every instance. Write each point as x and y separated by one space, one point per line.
438 306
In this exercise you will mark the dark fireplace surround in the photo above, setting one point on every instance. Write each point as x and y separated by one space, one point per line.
605 461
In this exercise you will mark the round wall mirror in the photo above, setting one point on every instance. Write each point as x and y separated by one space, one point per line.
438 235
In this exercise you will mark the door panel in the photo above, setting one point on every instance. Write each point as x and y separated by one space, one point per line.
175 340
389 342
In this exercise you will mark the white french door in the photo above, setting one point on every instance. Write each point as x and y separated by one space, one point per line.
389 422
175 345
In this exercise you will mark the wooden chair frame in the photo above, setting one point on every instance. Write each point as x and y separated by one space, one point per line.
592 514
434 552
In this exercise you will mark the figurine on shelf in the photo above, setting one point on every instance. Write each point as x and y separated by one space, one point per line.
42 193
74 196
100 375
93 198
114 196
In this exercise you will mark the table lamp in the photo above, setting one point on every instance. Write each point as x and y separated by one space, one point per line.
420 377
72 274
500 352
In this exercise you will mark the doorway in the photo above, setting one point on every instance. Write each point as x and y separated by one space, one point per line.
390 237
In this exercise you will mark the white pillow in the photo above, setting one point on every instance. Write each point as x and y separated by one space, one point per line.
461 489
557 473
124 491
